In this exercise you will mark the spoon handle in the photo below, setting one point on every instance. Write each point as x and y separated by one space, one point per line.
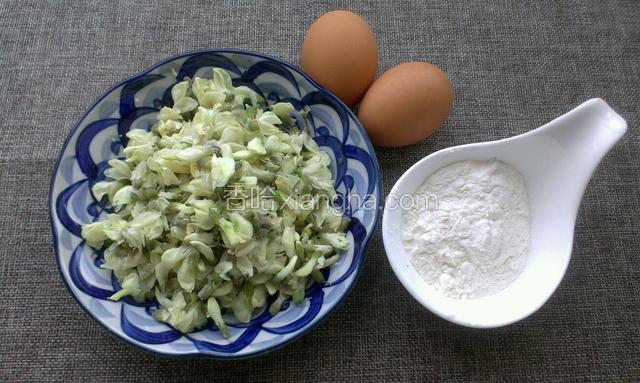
586 133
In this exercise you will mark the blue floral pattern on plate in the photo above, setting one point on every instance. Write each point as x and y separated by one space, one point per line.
100 135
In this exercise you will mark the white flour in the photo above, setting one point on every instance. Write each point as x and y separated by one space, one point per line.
475 241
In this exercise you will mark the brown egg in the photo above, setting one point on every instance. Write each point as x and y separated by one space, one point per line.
340 53
408 103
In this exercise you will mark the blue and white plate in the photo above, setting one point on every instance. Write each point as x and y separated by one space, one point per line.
133 103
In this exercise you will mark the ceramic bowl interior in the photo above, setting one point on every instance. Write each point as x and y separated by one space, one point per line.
133 103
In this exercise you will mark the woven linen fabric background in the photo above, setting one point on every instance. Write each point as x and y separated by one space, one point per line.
514 66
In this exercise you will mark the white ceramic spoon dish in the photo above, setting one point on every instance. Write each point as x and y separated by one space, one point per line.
556 162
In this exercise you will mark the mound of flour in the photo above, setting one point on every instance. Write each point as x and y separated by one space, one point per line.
471 239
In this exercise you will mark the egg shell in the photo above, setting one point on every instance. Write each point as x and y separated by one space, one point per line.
340 53
408 103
